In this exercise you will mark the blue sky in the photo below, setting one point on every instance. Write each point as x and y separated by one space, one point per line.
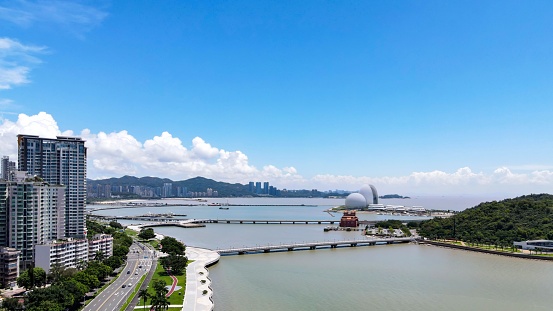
417 97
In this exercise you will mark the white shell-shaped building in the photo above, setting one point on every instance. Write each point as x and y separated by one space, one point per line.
370 194
356 200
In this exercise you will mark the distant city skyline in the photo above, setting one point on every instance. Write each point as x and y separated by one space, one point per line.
416 98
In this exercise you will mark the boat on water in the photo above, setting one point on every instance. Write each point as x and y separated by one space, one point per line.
214 204
223 207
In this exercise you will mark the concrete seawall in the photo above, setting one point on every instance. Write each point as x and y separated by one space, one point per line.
196 272
487 251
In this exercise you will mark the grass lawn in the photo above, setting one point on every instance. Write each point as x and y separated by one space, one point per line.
154 243
175 298
131 233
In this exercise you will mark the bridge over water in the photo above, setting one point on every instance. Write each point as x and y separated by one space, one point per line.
277 221
312 246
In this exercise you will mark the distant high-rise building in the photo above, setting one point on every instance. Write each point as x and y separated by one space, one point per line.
8 168
258 187
209 192
107 191
266 187
60 161
251 187
167 190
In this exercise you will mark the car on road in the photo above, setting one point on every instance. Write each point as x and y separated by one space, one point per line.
129 272
124 285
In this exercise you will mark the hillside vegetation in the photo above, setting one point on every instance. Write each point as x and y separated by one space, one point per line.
196 184
527 217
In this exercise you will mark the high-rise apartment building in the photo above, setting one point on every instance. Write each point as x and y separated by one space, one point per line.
8 168
258 187
266 187
167 190
31 213
60 161
251 187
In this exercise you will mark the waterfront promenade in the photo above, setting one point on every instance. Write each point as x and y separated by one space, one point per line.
196 272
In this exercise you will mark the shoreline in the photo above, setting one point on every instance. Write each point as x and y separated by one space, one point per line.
486 251
194 298
198 295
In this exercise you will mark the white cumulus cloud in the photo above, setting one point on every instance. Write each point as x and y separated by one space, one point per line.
16 60
119 153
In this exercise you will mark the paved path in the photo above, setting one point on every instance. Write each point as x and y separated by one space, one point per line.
194 299
173 285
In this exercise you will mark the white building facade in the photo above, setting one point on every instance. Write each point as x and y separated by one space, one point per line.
31 213
100 243
67 253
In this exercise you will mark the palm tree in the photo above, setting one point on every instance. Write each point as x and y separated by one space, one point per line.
160 303
143 293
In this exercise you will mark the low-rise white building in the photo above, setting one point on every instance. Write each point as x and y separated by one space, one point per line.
100 243
539 245
68 253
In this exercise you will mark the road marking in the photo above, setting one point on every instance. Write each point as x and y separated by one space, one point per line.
115 291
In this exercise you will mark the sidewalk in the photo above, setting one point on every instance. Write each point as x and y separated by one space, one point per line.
194 299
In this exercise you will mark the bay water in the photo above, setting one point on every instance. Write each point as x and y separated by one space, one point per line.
382 277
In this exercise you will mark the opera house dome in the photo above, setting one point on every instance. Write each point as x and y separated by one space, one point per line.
356 200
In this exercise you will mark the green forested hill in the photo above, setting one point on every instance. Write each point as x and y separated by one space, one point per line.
527 217
224 189
196 184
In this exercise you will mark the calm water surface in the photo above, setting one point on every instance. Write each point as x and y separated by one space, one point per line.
394 277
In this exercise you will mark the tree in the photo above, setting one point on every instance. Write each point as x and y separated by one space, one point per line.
45 305
147 233
171 245
159 300
56 273
160 287
53 293
175 263
160 303
99 269
82 264
24 280
143 293
12 304
116 225
120 251
31 278
76 288
87 279
99 256
114 262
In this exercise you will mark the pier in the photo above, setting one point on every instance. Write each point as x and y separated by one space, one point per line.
312 246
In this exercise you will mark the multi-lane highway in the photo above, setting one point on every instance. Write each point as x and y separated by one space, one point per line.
139 262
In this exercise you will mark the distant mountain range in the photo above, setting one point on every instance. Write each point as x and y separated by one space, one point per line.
200 184
196 184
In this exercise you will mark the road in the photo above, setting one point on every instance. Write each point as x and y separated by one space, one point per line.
139 262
